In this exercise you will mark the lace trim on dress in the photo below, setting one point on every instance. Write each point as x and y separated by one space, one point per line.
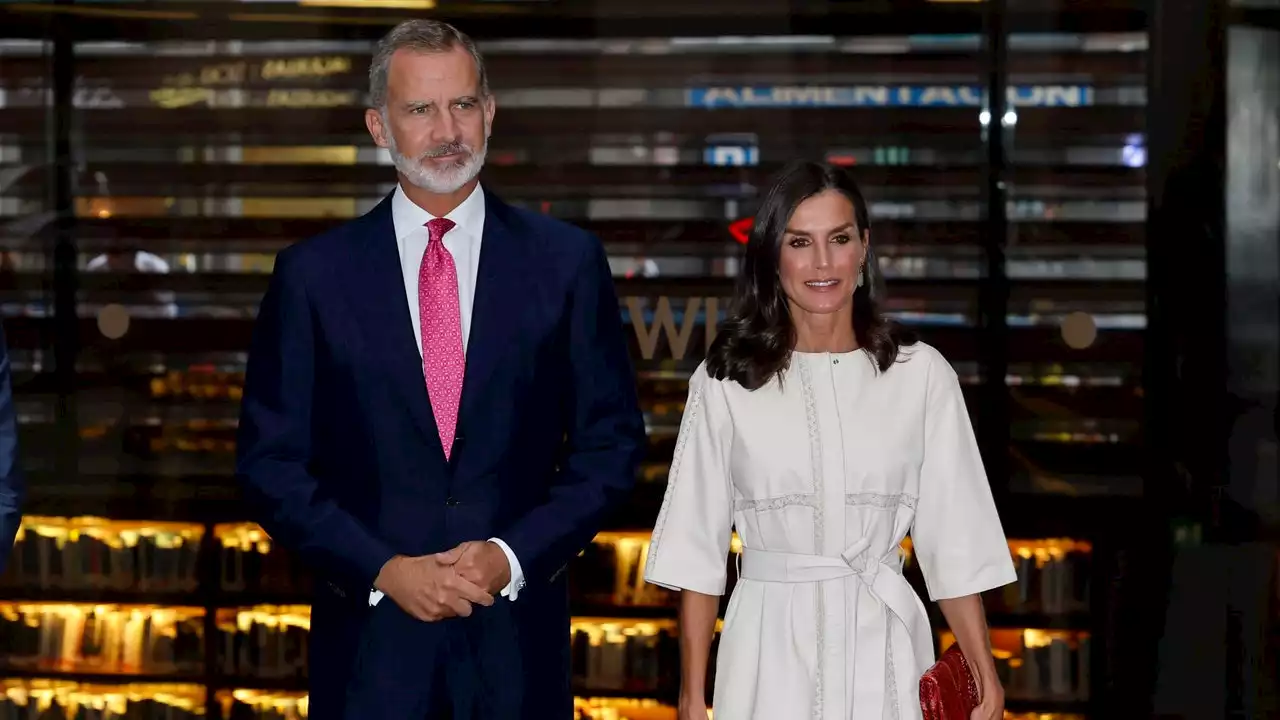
878 500
891 692
777 503
815 455
673 473
881 500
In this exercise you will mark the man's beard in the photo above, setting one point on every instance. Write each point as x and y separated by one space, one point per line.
443 179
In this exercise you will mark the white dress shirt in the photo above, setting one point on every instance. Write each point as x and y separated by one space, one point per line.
463 243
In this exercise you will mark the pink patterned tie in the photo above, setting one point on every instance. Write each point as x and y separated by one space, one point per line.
443 360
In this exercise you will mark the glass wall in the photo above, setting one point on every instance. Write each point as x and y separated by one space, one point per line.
212 159
1076 258
27 234
205 137
1253 264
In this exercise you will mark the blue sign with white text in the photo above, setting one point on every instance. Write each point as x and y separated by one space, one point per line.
731 155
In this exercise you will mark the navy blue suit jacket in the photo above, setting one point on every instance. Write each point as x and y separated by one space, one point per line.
12 486
339 453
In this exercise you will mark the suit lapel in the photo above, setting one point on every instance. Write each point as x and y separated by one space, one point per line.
497 290
385 319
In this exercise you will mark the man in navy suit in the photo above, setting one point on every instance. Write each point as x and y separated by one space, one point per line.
439 412
12 487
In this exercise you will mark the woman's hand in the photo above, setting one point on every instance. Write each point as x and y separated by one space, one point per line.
692 709
965 617
697 629
992 705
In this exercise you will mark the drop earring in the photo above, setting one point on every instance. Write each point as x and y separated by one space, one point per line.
859 276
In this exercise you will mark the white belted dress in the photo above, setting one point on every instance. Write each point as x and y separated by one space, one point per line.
823 472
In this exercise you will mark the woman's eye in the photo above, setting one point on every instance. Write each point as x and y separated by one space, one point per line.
842 239
799 242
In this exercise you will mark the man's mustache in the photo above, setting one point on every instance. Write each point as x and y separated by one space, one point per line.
450 149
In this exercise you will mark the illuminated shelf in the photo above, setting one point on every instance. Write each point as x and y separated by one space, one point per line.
292 705
177 701
286 705
252 570
102 640
621 708
1047 670
56 554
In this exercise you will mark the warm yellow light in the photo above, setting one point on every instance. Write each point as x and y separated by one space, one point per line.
395 4
104 12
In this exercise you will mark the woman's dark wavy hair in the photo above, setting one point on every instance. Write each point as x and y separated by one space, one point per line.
754 344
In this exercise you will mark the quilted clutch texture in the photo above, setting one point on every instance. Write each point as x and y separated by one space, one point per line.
948 691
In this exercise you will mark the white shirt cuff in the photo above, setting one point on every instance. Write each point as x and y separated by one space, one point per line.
513 588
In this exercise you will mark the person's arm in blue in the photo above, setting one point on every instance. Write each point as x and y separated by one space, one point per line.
12 486
273 444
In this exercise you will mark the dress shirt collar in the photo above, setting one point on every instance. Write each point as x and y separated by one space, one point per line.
408 216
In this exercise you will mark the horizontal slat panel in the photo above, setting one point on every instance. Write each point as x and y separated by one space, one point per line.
215 180
232 335
308 126
1083 459
515 71
280 232
564 19
117 286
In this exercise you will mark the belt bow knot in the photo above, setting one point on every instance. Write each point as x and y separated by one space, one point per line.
882 577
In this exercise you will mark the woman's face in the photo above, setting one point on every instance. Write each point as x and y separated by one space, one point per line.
822 251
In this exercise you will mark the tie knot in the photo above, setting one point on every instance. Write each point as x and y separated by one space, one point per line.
437 227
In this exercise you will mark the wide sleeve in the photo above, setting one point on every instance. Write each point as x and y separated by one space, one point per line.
604 435
957 536
690 543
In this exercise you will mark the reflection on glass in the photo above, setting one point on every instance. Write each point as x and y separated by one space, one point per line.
1077 267
26 294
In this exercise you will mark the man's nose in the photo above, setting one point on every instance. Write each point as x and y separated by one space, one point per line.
444 129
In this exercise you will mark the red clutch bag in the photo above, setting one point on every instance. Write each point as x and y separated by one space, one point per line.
948 690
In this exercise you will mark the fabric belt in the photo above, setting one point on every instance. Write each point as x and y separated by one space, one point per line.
883 579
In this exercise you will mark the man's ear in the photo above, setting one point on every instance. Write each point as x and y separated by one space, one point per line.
377 129
489 109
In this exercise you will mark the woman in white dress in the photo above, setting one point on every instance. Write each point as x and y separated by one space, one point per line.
824 434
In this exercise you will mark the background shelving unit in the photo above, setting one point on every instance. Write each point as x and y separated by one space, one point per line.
153 162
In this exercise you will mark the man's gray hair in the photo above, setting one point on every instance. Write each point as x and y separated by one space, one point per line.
424 36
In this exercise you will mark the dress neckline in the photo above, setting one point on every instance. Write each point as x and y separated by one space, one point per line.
806 353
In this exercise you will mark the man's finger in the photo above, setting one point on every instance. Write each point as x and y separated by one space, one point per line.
472 591
460 607
450 557
469 573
